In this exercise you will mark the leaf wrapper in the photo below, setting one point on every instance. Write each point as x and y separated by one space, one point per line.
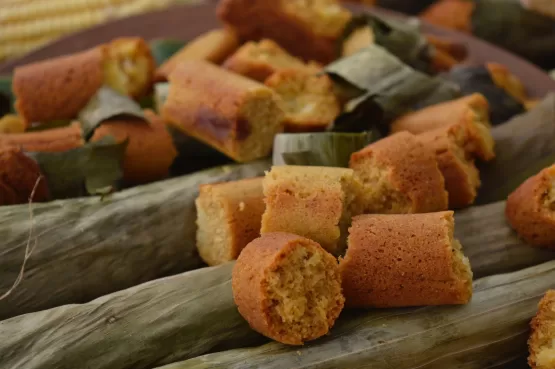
492 330
524 146
394 86
90 247
163 49
176 317
331 149
95 167
107 104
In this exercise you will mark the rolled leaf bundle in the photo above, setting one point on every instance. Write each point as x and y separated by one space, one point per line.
105 246
191 314
490 331
59 88
524 146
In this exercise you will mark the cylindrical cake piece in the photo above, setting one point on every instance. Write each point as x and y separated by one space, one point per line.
229 112
288 288
314 202
259 60
470 111
150 151
310 101
213 46
19 175
49 140
307 29
229 216
542 337
58 88
405 260
462 178
531 209
400 175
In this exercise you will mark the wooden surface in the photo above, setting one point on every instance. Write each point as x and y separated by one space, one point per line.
188 21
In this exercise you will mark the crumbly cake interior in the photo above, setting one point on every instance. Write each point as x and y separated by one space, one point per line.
458 139
261 117
543 353
379 195
305 293
460 264
483 130
213 232
270 52
323 17
549 198
126 68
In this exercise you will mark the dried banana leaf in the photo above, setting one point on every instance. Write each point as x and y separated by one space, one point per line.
89 247
524 146
492 330
393 85
192 314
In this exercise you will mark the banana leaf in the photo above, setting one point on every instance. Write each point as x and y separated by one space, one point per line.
192 314
394 86
490 331
163 49
525 32
524 146
89 247
472 79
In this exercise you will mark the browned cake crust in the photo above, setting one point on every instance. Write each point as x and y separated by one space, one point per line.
404 260
300 29
18 176
50 140
229 216
213 46
462 178
251 282
150 150
531 209
452 14
232 113
471 111
541 341
400 175
311 104
503 78
57 88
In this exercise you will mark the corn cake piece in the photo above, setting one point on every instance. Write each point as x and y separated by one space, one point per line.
229 216
400 175
307 29
259 60
214 46
359 39
399 260
541 343
229 112
470 111
530 209
287 287
314 202
310 102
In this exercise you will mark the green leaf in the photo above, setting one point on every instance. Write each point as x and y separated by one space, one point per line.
93 169
393 85
108 104
161 91
7 98
329 149
163 49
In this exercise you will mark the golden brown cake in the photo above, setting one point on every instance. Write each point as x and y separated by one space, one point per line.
307 29
541 343
452 14
214 46
19 174
229 216
471 111
11 123
359 39
229 112
49 140
400 175
531 209
314 202
150 150
288 288
462 178
503 78
310 102
259 60
58 88
404 260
